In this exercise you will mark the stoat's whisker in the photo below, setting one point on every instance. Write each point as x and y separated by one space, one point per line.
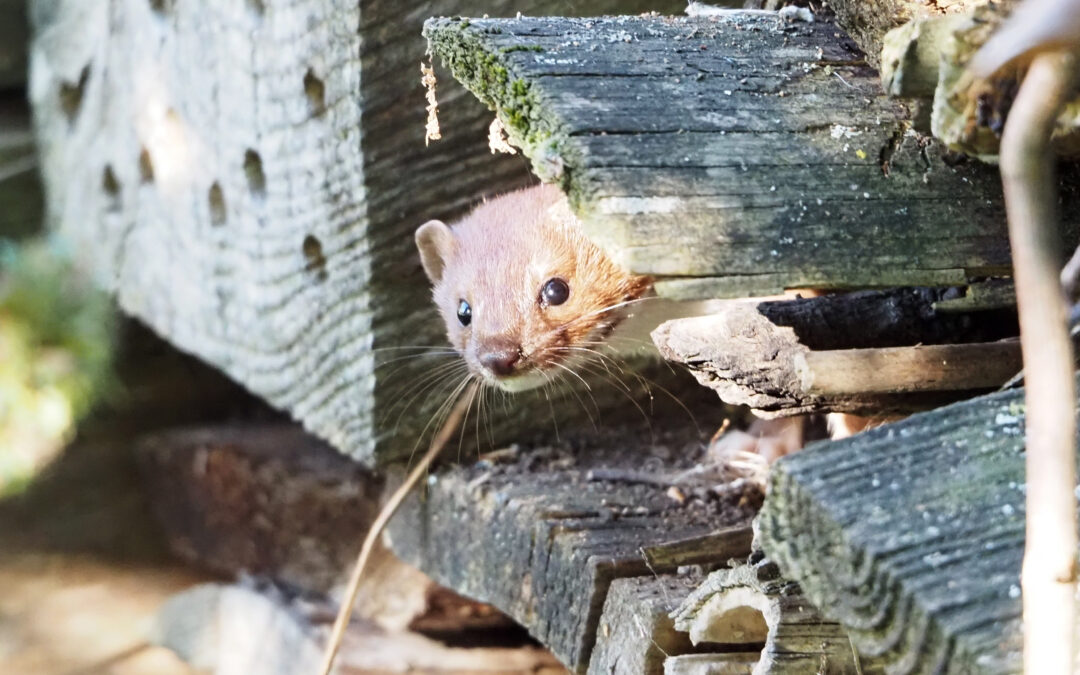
626 392
434 373
551 406
428 384
441 413
584 406
404 347
601 310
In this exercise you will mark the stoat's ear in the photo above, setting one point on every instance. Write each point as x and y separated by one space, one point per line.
435 242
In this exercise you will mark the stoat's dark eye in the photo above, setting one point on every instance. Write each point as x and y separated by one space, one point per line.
464 313
555 291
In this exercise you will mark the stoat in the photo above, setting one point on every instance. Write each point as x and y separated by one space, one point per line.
524 293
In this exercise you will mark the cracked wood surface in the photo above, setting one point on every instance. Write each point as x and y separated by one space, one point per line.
912 535
753 606
731 155
539 540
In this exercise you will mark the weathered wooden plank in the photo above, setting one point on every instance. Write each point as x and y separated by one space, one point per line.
752 605
543 543
867 352
733 153
912 535
246 176
635 632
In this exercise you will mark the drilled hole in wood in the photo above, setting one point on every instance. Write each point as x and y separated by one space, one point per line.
316 92
146 167
111 186
315 260
253 169
162 6
71 94
216 197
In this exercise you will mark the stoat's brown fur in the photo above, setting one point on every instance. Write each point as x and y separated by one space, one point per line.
498 259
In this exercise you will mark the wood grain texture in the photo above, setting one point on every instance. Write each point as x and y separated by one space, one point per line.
917 368
739 153
911 535
754 606
246 176
635 632
537 539
775 356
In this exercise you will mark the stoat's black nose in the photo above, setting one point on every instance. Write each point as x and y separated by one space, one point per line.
501 357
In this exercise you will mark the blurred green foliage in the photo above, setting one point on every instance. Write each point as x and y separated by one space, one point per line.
56 342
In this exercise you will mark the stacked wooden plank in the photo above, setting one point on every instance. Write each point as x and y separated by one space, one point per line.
734 154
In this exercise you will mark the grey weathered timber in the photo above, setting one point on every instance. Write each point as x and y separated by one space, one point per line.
536 538
733 154
752 605
635 631
868 352
911 535
246 175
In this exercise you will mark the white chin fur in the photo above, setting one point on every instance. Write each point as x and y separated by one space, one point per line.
519 382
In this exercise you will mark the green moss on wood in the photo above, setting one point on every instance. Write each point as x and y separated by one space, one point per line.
483 70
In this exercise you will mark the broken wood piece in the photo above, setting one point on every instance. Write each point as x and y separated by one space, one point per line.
635 632
779 629
785 357
540 541
919 368
911 535
707 152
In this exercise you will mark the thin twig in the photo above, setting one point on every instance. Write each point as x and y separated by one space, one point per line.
385 514
1048 578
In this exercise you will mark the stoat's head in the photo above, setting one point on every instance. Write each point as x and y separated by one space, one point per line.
520 287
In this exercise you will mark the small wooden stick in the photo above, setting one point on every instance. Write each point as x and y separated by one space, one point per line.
387 512
1048 578
907 369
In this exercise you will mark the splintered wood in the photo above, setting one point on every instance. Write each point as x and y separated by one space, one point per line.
872 352
764 620
538 537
